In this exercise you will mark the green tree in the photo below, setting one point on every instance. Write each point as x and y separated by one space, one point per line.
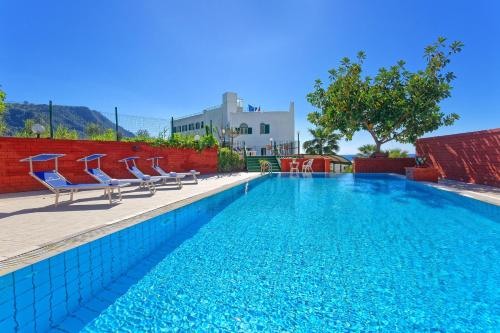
27 132
229 161
93 130
324 142
396 104
62 132
107 135
366 150
369 150
143 133
3 127
397 153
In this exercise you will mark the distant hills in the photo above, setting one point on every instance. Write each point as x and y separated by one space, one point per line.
71 117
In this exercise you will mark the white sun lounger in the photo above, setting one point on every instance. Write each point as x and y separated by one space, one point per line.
156 166
55 182
133 169
102 177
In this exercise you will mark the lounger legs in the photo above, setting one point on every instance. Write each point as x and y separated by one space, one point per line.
195 179
57 199
152 187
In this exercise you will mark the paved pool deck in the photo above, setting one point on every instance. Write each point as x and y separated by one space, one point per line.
484 193
32 228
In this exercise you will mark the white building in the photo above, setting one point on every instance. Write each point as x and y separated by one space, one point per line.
257 130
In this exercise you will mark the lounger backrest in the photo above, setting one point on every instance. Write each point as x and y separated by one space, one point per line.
160 170
52 178
138 173
100 175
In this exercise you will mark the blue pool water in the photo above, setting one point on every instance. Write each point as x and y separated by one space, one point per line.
315 254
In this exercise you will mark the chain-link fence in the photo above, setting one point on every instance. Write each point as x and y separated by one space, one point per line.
78 122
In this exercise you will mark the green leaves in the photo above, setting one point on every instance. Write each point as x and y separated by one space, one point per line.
229 161
178 140
324 142
396 104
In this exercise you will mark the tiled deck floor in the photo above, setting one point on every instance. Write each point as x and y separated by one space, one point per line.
29 221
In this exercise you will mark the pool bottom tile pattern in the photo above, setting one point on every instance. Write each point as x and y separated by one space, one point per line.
40 297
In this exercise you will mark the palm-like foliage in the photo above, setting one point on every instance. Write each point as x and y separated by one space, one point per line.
397 153
366 150
369 150
323 142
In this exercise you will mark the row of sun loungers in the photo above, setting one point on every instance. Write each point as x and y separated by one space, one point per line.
58 184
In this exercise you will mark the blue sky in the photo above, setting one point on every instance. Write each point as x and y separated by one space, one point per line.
163 58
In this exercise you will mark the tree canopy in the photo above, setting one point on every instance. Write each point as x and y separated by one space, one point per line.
397 104
366 151
324 142
369 150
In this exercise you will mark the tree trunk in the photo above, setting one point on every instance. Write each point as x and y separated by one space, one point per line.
378 143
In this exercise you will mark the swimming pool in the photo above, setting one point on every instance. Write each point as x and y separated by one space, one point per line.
303 254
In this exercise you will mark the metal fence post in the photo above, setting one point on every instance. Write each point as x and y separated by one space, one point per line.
245 152
298 142
50 121
116 124
172 127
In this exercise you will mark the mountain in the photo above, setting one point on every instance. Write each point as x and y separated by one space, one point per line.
71 117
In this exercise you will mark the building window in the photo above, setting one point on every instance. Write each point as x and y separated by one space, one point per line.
202 124
197 125
244 129
265 128
184 128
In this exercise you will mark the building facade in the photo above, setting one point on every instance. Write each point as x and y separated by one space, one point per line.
261 132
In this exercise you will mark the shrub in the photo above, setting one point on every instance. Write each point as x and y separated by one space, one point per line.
63 132
229 161
108 135
26 132
178 141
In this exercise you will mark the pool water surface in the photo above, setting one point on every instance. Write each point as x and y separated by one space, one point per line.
310 254
322 254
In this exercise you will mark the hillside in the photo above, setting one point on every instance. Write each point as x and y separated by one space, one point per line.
72 117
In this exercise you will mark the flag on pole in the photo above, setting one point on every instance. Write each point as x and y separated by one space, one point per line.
251 108
258 110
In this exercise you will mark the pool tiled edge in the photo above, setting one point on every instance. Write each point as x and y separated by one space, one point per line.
47 250
39 296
